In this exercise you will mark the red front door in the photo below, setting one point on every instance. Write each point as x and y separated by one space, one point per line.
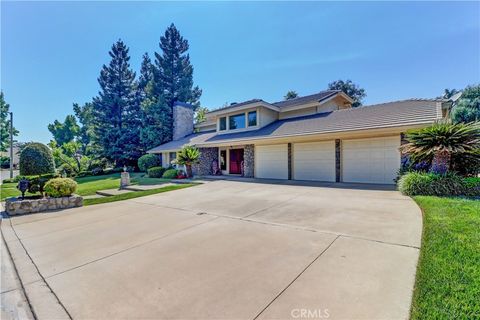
236 160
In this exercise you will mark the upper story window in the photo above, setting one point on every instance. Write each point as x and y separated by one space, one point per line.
252 118
237 121
223 123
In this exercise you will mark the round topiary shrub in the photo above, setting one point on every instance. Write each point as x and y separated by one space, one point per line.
156 172
60 187
148 161
170 174
36 159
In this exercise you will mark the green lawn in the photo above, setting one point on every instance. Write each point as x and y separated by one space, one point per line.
448 274
89 185
135 194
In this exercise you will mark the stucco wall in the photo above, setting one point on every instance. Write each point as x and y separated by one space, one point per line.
207 156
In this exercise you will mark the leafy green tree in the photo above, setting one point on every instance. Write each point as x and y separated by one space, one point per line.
116 111
5 124
157 126
467 109
86 134
200 114
448 93
188 156
350 89
173 71
69 158
441 141
66 131
292 94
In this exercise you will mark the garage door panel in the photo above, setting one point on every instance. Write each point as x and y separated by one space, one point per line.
375 160
314 161
271 161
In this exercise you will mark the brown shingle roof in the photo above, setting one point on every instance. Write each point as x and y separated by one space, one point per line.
393 114
322 95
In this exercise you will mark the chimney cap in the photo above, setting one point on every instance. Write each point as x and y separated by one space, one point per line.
183 104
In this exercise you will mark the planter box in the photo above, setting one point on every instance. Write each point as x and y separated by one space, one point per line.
14 206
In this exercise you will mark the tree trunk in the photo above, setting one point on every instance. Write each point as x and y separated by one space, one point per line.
189 170
440 162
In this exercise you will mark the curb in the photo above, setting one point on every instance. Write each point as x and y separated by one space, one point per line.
43 301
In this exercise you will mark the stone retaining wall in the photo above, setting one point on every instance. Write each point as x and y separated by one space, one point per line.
14 206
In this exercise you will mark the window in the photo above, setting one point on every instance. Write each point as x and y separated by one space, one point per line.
237 121
173 156
223 124
252 118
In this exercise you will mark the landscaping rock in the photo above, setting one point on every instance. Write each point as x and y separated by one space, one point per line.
14 206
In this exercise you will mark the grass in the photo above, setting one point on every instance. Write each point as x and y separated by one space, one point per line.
135 194
89 185
448 273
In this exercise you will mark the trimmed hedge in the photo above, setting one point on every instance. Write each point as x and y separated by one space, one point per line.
36 183
156 172
60 187
431 184
35 159
148 161
170 174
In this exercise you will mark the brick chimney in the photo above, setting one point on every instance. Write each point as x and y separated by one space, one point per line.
182 120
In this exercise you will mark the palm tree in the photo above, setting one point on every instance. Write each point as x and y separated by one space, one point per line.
188 156
440 141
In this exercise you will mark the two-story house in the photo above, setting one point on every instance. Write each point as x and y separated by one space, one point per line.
319 137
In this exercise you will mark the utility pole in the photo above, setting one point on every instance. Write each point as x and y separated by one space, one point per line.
11 145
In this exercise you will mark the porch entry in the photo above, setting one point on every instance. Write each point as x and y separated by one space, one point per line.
236 159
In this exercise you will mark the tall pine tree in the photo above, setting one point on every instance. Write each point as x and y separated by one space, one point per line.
174 72
5 124
116 111
172 81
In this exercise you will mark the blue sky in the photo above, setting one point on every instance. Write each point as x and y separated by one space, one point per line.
52 52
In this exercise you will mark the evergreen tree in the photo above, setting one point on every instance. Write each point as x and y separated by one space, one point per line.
146 75
116 110
5 124
173 70
157 123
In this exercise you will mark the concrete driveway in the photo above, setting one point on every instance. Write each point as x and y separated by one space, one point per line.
224 250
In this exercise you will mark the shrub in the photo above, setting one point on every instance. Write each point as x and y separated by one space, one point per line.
85 173
60 187
36 183
35 159
4 162
442 185
148 161
472 186
170 174
416 183
156 172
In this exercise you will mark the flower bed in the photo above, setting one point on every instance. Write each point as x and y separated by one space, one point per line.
14 206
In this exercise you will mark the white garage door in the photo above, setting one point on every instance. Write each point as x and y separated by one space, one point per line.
271 162
375 160
314 161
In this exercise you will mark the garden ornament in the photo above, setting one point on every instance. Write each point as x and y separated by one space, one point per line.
23 187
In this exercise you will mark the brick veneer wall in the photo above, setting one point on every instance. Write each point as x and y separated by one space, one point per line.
204 167
249 161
